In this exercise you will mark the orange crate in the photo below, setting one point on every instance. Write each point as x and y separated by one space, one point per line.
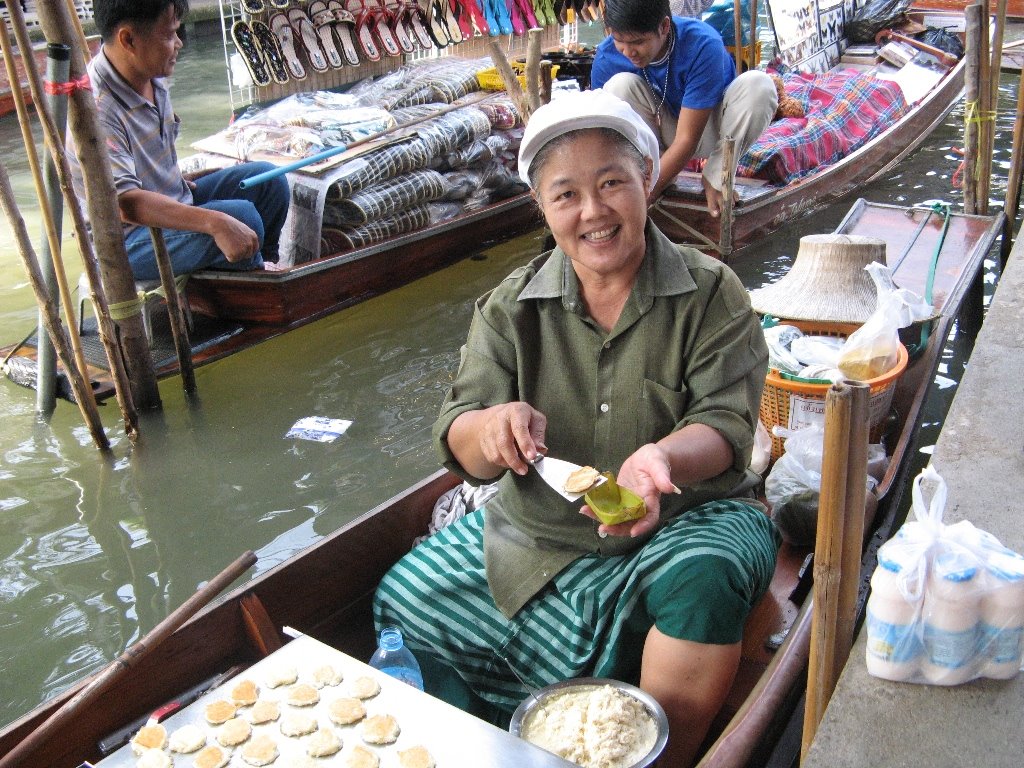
791 404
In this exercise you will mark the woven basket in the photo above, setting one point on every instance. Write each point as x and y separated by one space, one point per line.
490 79
796 404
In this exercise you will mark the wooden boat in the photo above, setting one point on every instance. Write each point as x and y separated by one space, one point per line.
760 208
306 593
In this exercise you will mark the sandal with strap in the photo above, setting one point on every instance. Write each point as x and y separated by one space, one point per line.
323 22
344 24
304 28
471 11
364 35
451 24
514 15
379 18
436 27
399 26
286 38
526 8
271 48
253 7
492 21
500 11
418 24
249 48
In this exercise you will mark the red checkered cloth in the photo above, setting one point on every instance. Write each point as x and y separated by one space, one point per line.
845 109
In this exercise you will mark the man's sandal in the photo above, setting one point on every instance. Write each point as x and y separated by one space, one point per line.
249 48
307 34
399 25
286 37
365 37
271 48
323 22
418 24
436 27
379 18
344 25
253 6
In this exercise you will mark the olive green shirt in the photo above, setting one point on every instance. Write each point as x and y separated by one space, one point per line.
686 349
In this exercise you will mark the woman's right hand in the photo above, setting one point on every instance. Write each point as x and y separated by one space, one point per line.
511 435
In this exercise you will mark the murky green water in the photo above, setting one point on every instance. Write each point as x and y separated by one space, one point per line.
94 553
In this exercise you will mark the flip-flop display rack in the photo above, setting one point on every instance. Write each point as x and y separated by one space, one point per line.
275 48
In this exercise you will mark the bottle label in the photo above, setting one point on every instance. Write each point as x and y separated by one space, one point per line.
1002 645
891 642
952 650
406 675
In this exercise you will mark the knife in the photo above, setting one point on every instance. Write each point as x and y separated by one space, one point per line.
554 472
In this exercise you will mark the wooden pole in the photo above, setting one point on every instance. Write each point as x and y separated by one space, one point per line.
53 239
754 35
127 660
545 82
79 31
508 76
728 182
104 215
737 30
992 105
107 332
984 113
533 68
971 105
179 328
822 669
1013 181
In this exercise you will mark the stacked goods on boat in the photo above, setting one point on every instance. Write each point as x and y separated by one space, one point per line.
421 158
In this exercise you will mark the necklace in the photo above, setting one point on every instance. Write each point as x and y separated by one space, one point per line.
668 66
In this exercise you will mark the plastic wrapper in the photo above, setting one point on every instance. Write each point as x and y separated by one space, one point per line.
385 199
761 456
793 487
873 16
817 350
873 349
780 340
947 601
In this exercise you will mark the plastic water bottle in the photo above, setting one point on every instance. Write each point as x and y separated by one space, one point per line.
394 659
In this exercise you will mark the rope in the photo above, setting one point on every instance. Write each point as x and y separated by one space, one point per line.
926 328
122 310
68 87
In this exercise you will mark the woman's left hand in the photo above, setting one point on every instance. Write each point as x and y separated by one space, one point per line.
648 474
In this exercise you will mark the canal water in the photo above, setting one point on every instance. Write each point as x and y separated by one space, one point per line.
93 553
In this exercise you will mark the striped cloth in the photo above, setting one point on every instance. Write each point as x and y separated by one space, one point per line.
409 220
845 109
384 199
695 579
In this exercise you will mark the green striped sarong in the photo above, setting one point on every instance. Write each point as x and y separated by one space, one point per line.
696 579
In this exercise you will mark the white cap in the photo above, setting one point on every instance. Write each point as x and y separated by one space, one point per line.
577 110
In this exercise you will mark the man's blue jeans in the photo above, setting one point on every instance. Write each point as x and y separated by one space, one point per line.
262 208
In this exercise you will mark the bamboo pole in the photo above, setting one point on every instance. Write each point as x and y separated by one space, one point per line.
971 86
545 82
754 35
79 385
55 143
984 112
533 68
728 194
992 105
179 328
1013 181
822 669
127 660
53 239
508 76
118 284
79 31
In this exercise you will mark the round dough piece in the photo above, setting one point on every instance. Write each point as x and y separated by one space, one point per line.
298 724
264 711
581 480
187 739
326 675
219 711
361 757
303 695
323 743
154 758
212 756
245 693
234 732
281 676
380 729
346 711
364 687
261 750
415 757
149 737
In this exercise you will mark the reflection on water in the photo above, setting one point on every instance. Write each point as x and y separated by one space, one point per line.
95 552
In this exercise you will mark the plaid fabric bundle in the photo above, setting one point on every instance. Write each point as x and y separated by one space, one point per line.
844 109
382 200
408 220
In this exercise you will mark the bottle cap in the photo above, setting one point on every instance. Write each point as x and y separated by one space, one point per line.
1008 566
955 566
391 638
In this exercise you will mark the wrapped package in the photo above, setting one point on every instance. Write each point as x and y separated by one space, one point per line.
947 601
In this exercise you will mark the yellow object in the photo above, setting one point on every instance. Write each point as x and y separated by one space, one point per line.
613 504
490 80
745 54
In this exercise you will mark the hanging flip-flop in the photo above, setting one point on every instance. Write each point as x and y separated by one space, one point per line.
323 22
451 24
286 37
418 24
279 4
479 21
399 26
500 11
549 13
526 9
516 18
494 29
272 52
364 35
436 27
379 23
245 42
310 41
344 26
463 19
253 6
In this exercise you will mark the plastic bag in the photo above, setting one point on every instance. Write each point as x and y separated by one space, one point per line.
761 456
873 349
793 487
720 16
942 39
779 339
874 16
947 601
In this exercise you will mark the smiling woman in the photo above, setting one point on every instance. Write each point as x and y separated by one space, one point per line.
610 350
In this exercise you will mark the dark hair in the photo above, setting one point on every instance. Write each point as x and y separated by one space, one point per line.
625 145
111 14
635 15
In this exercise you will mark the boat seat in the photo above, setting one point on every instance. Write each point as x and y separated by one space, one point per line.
150 292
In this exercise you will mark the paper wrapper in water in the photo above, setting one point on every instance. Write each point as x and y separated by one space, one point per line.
613 504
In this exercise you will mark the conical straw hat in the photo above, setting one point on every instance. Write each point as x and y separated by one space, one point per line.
827 281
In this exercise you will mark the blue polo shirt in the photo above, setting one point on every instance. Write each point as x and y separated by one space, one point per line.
699 69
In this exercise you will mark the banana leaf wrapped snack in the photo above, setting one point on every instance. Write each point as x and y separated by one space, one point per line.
613 504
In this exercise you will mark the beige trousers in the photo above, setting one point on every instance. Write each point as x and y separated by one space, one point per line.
747 107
